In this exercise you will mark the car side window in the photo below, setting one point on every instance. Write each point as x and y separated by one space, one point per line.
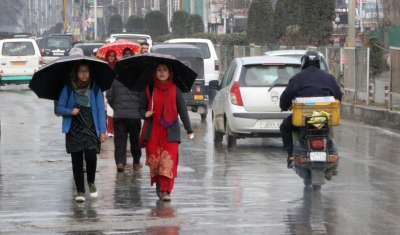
228 75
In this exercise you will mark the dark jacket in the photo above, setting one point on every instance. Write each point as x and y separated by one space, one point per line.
310 82
174 131
123 101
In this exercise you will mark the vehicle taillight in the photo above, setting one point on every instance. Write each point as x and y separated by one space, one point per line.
198 95
236 97
40 61
317 143
42 52
216 65
198 90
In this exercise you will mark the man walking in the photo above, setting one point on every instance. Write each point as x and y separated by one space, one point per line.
125 104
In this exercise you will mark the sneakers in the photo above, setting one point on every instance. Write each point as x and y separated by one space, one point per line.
290 162
80 197
93 190
165 197
159 194
137 167
110 135
120 167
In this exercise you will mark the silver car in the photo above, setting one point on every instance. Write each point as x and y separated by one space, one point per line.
247 101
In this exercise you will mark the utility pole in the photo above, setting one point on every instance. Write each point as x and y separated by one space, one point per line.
361 16
95 19
351 51
224 15
130 8
192 10
29 23
65 15
47 7
351 33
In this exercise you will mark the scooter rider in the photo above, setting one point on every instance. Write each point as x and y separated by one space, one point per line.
310 82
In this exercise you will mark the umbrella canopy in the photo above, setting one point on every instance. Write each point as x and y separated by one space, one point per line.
118 46
136 72
49 81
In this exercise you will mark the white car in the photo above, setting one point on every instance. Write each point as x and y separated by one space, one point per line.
19 60
247 102
211 64
138 38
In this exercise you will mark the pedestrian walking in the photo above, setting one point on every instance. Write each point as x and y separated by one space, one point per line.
160 105
111 59
127 123
81 105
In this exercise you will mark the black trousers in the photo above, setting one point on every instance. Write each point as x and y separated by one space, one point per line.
77 168
123 127
287 128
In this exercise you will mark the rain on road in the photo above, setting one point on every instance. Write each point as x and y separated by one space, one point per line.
245 190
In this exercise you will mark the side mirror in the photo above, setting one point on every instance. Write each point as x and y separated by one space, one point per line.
213 84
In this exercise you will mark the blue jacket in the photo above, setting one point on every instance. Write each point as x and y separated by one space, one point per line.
310 82
65 105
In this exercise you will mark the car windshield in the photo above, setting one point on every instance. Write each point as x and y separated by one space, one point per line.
202 46
58 42
18 49
323 64
137 39
267 75
88 49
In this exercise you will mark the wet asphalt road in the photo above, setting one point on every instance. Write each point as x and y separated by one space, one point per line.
246 190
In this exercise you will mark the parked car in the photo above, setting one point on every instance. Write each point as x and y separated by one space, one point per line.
138 38
88 47
19 59
193 58
247 102
53 47
297 54
211 64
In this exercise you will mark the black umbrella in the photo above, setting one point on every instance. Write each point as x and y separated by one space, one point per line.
136 72
49 81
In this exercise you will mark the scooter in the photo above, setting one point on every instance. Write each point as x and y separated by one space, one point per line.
315 155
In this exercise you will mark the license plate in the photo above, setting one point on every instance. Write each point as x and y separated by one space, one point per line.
270 124
58 53
18 63
198 97
317 156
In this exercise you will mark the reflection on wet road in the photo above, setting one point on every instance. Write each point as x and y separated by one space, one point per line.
245 190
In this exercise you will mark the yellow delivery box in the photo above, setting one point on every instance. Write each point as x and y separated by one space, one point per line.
303 107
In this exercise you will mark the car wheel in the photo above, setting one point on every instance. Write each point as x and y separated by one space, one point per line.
230 139
217 136
203 116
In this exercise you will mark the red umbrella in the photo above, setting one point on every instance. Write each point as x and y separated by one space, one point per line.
118 46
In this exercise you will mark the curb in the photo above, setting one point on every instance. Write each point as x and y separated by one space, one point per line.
371 115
